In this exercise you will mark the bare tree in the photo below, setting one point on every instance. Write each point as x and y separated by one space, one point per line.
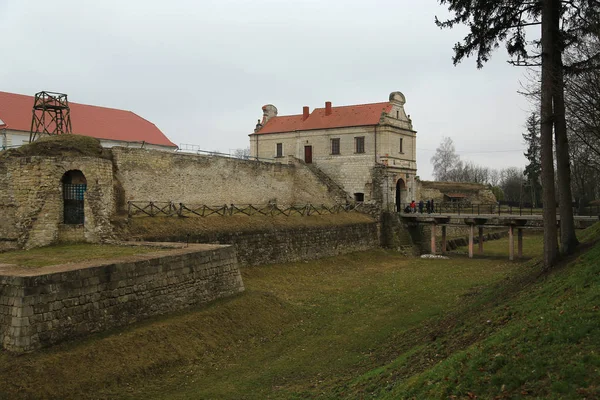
445 160
242 153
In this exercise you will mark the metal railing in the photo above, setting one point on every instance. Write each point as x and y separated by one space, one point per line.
195 149
488 209
171 209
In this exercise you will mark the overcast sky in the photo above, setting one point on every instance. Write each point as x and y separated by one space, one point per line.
202 69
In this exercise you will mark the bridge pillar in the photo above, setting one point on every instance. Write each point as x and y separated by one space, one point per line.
433 232
481 240
511 242
443 239
520 242
471 234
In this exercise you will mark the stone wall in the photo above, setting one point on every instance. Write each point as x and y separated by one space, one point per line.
288 245
187 178
474 193
31 199
43 306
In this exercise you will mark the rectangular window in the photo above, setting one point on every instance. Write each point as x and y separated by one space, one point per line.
279 149
401 145
335 146
359 144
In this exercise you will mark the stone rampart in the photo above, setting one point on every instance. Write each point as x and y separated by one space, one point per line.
43 306
147 175
31 204
288 245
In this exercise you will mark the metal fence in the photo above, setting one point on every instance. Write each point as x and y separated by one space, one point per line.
170 209
195 149
489 209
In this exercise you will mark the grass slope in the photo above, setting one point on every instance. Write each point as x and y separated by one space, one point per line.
536 337
301 330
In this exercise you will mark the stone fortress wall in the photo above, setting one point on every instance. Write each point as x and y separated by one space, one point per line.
31 205
44 306
31 191
474 193
147 175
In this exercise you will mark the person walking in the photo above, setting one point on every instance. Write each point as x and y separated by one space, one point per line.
413 207
421 206
432 207
428 206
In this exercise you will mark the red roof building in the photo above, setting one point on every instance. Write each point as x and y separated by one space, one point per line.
111 126
347 143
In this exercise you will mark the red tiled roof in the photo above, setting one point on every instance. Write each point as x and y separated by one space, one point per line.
94 121
344 116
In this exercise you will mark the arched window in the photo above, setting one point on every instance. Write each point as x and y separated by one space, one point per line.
74 187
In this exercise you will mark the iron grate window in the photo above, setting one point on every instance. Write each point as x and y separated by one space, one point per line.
73 195
279 150
335 146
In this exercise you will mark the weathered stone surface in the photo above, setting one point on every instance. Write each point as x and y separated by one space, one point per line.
31 202
287 245
147 175
41 307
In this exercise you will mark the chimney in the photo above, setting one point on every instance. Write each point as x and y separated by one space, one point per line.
305 113
269 111
327 108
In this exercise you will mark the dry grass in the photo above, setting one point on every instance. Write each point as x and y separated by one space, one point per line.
69 253
58 145
153 227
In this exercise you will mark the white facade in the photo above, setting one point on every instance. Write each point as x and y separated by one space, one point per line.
389 144
13 139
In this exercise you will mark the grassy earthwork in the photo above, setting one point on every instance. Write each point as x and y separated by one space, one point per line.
366 325
69 253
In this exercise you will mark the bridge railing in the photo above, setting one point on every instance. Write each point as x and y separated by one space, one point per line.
488 209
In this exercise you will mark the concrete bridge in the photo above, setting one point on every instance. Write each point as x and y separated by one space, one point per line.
481 221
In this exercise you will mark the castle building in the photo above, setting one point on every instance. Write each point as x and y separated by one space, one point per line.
111 126
369 149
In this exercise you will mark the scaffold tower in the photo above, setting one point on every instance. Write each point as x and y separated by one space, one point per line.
51 115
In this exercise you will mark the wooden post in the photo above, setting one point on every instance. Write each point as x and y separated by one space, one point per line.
433 230
511 243
520 242
443 239
480 240
471 234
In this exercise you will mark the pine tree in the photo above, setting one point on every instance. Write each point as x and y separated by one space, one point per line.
564 24
533 170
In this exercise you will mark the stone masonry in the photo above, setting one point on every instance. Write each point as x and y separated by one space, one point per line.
43 306
31 202
186 178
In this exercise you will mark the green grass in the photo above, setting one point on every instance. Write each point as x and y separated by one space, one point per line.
68 253
365 325
301 330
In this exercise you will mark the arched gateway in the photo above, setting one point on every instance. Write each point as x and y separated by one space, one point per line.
400 194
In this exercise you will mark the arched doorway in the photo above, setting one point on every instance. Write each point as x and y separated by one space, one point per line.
74 187
400 194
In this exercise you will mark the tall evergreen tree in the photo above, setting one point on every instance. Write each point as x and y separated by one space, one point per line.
563 24
533 169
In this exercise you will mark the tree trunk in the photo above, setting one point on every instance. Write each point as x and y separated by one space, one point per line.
549 10
563 166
